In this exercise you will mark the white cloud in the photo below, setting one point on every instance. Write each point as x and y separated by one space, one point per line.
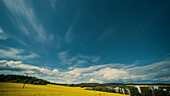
64 57
18 67
121 73
26 19
15 54
155 72
110 74
88 69
92 80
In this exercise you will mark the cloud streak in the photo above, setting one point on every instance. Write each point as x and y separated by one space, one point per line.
1 31
53 3
26 19
69 33
15 54
3 36
65 58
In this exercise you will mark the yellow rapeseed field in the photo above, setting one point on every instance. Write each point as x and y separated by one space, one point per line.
15 89
148 85
139 85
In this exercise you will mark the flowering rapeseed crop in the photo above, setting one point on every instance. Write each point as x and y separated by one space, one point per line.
16 89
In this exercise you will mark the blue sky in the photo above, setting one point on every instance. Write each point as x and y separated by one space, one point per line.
72 41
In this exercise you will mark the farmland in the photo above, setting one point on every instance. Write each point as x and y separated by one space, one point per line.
16 89
148 85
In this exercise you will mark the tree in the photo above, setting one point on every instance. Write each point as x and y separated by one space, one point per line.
146 92
159 92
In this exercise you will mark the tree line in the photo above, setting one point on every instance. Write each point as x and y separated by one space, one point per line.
22 79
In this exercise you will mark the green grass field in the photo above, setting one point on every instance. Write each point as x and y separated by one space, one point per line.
16 89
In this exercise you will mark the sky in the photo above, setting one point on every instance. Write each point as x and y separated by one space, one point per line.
86 41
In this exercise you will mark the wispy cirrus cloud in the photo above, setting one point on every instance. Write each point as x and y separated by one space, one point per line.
110 31
155 72
16 54
65 58
87 69
1 31
53 3
81 61
26 19
3 36
69 32
121 73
